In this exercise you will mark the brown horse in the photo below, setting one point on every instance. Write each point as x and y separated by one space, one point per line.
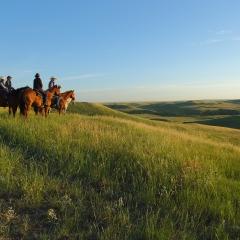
31 98
54 91
11 99
3 98
14 100
63 101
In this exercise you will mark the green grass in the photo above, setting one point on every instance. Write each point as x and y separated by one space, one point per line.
210 112
180 108
100 174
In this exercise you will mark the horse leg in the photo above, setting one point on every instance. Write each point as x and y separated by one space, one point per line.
46 111
28 107
41 110
14 110
36 110
9 110
60 109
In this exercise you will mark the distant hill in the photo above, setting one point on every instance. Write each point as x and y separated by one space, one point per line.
206 112
184 108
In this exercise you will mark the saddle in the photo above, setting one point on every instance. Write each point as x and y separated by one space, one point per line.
39 93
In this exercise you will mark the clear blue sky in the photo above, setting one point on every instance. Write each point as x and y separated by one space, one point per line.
125 50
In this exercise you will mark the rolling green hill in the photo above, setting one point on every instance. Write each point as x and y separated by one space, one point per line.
100 174
181 108
210 112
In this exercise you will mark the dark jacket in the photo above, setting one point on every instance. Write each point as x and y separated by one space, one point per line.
37 84
8 84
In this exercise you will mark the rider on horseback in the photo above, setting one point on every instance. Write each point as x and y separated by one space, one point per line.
8 83
52 82
4 90
2 85
38 85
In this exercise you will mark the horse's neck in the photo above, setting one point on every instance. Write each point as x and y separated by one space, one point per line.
66 95
50 93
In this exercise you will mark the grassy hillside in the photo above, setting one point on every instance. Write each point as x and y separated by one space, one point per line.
181 108
108 177
211 112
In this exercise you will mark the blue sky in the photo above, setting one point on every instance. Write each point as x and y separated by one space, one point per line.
128 50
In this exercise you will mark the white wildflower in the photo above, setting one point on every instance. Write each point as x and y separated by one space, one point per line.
52 214
10 214
66 199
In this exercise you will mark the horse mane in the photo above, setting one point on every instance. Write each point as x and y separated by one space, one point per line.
65 94
68 92
55 86
18 90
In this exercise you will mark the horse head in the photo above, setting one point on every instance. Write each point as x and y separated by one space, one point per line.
72 96
55 90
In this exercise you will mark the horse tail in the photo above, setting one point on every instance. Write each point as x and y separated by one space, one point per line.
22 104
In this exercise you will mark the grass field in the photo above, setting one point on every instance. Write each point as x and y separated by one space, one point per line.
224 113
97 173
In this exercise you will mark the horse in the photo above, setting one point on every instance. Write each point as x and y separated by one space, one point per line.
11 99
33 98
14 99
3 98
63 100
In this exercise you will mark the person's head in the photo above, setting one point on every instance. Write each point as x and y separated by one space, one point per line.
37 75
9 78
2 79
53 78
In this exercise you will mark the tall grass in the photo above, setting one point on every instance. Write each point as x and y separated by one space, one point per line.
103 177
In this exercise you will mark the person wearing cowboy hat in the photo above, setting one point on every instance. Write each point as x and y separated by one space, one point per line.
8 83
52 82
3 89
2 84
38 85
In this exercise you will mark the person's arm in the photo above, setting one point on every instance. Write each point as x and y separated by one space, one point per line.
3 85
40 83
8 84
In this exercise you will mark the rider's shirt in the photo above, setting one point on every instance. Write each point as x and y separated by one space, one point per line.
37 84
51 84
8 84
2 86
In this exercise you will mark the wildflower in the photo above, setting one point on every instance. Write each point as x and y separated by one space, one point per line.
52 214
10 214
66 199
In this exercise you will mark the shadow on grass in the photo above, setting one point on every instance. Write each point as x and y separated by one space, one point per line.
229 122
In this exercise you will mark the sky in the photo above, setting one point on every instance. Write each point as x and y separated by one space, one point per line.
124 50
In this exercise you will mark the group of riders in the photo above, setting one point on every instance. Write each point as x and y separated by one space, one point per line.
6 85
7 93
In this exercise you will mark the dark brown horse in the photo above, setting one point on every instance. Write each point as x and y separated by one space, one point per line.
11 99
3 98
31 98
63 101
14 99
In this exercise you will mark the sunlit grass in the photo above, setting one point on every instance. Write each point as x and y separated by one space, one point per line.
116 177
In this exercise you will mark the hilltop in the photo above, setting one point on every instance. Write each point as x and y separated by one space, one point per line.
96 173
